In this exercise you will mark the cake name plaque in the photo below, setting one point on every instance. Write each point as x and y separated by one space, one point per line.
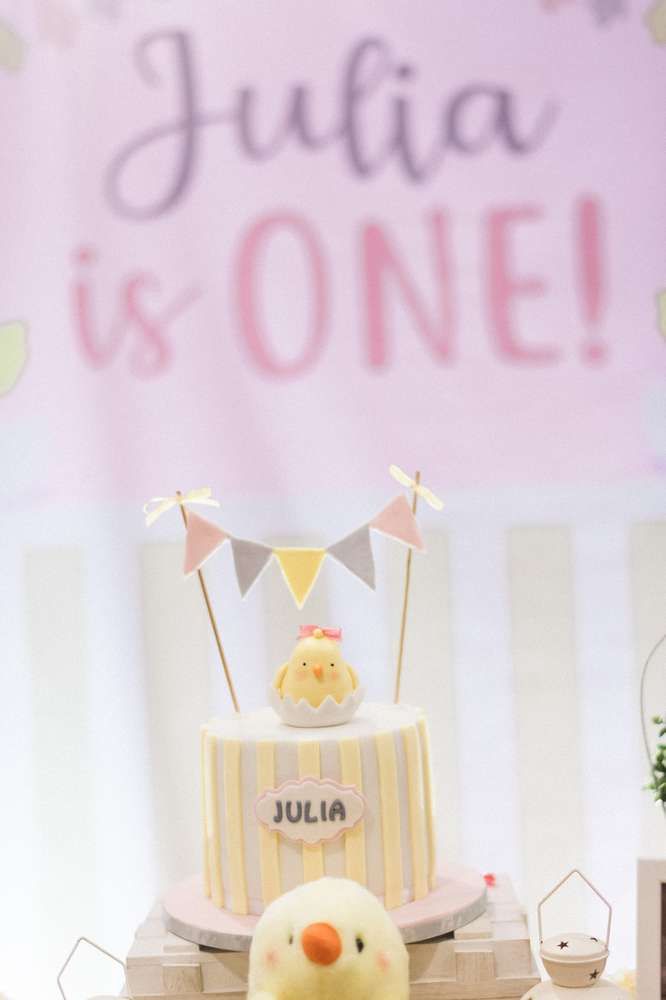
311 810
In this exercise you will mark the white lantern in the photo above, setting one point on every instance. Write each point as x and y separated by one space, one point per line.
574 961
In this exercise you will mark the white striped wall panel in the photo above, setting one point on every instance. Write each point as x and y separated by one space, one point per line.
429 641
491 829
178 699
610 761
547 704
60 663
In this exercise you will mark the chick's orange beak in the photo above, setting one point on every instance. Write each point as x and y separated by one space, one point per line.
318 671
321 943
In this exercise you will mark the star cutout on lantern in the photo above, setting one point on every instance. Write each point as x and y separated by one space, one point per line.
593 975
563 944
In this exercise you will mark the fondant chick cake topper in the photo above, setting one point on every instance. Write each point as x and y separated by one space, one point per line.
316 687
300 569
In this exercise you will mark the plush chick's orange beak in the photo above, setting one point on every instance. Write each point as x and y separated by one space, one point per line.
321 943
318 671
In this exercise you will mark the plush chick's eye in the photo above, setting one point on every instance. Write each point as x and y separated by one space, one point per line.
304 663
291 939
360 945
332 664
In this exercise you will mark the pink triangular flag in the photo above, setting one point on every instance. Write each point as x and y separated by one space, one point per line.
398 521
203 539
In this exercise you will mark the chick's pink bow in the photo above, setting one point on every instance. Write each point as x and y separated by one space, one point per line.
319 633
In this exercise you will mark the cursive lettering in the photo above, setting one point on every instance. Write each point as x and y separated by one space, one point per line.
374 123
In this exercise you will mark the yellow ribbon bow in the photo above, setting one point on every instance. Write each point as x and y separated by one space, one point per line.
419 488
202 495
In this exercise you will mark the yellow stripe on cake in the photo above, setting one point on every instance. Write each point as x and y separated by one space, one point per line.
429 801
269 849
233 808
417 830
309 767
388 788
212 807
204 821
351 774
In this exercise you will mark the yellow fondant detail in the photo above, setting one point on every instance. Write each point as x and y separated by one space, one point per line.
388 790
309 767
269 848
429 802
417 823
300 568
204 820
351 774
233 808
213 839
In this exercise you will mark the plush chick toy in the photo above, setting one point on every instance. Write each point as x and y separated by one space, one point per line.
327 940
316 668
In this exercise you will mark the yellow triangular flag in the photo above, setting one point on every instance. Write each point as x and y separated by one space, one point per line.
300 568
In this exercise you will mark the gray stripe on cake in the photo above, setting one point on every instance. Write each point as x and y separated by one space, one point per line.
291 853
334 851
374 849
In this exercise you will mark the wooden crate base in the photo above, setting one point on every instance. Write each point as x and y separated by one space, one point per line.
488 958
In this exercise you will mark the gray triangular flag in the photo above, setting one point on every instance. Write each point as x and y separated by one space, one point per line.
250 558
355 552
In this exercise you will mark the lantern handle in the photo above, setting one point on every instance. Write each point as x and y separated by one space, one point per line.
84 940
576 871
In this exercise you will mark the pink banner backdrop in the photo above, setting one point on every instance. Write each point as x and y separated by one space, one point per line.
250 244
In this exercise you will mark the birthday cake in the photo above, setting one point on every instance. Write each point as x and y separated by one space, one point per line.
303 790
319 782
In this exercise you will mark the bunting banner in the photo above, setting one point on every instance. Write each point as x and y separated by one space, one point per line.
398 521
300 568
354 552
250 560
203 539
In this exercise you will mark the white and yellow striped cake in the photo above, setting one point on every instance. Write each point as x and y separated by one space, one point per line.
283 806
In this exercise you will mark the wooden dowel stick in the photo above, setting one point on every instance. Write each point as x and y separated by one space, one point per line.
213 623
405 600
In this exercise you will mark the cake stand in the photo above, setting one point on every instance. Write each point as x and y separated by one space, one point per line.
458 898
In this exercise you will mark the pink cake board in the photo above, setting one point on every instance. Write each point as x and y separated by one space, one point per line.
458 898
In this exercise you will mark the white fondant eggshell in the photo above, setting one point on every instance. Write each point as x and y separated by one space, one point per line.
304 715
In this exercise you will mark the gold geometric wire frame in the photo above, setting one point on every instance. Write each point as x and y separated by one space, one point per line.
85 940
